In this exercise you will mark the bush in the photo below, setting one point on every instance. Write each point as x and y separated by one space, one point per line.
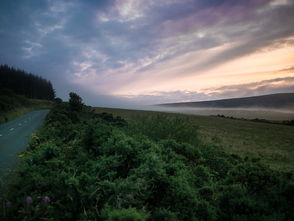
123 215
97 169
75 102
164 215
159 127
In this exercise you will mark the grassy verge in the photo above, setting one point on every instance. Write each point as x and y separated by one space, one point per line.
31 105
273 144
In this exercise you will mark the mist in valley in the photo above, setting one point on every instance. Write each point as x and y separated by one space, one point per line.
278 114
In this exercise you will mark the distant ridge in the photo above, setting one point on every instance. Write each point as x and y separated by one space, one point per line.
282 100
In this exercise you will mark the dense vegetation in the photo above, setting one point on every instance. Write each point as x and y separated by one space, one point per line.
26 84
272 143
87 166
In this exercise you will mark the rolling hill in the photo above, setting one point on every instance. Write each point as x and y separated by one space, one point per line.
280 101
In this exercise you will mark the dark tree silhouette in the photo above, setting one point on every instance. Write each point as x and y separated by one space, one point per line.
58 100
27 84
75 102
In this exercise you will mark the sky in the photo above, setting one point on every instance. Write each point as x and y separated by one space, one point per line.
119 53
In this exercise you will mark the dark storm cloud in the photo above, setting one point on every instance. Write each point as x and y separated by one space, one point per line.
117 41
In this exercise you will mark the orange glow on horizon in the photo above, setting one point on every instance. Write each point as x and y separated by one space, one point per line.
267 64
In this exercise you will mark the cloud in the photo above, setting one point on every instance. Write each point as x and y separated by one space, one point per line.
257 31
159 97
102 47
271 86
277 85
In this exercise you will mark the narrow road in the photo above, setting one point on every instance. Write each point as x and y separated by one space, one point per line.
14 137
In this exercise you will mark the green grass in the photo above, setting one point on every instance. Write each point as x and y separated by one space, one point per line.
273 144
32 105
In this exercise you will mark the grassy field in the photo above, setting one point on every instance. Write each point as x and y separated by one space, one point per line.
273 144
247 113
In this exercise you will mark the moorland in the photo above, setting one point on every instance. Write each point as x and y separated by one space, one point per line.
87 164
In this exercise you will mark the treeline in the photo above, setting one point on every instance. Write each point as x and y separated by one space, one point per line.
285 122
26 84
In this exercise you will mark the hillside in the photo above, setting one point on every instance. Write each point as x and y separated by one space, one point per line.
283 100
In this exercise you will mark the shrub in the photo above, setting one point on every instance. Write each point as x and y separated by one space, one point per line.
164 215
110 119
95 135
160 126
75 102
130 214
97 169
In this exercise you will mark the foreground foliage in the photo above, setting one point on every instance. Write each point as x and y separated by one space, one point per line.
86 166
272 143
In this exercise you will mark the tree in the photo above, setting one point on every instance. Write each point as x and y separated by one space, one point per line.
75 102
23 83
58 100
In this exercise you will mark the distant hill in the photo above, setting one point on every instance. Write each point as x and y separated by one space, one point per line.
283 100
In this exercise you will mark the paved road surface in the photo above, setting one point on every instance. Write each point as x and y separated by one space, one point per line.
14 137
